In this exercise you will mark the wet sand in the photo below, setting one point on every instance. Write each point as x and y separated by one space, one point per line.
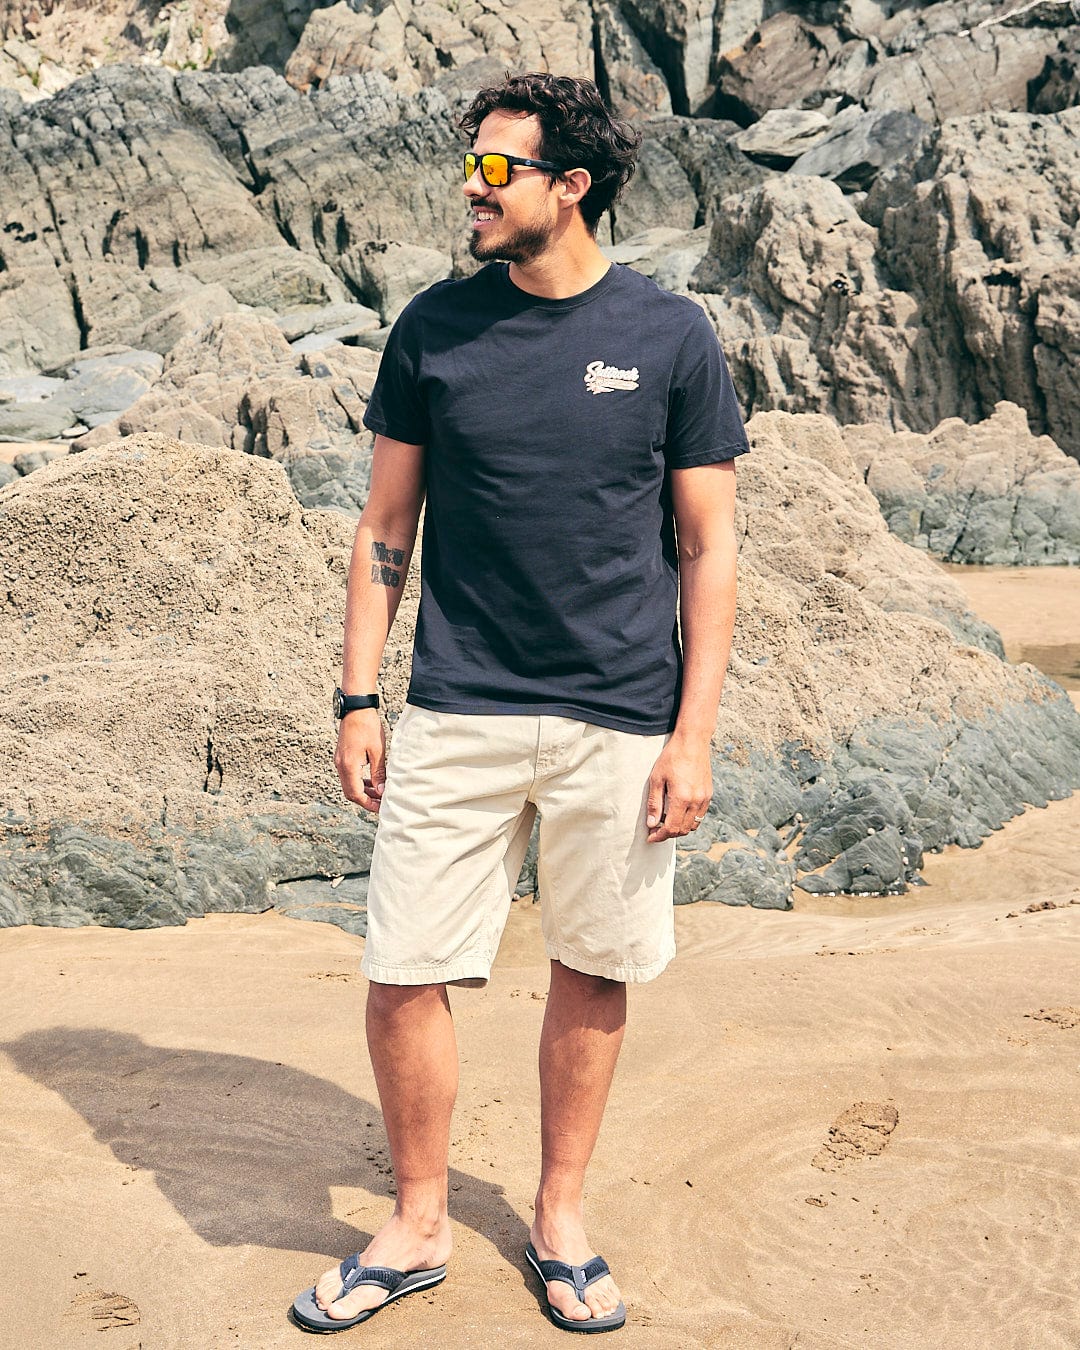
190 1130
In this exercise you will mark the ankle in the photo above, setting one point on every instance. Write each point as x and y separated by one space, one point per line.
425 1215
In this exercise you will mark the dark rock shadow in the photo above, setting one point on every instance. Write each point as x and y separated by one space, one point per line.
244 1149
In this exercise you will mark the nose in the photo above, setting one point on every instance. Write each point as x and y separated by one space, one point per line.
474 186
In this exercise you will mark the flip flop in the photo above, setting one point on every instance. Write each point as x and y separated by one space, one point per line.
579 1277
398 1283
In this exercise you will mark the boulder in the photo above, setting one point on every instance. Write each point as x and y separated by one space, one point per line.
239 383
146 565
414 44
950 287
980 227
934 61
781 135
856 145
394 273
277 278
990 493
687 166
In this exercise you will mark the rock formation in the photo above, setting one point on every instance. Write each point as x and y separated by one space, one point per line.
172 624
210 217
989 493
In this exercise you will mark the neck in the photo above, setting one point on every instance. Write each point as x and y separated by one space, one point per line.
573 265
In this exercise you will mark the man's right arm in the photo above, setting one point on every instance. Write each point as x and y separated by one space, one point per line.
385 537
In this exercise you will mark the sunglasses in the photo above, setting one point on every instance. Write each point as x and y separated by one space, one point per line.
495 169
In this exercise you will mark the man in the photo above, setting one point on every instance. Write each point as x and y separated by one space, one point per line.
574 429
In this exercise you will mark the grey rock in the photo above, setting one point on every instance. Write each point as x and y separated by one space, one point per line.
781 135
688 166
340 901
680 37
787 63
935 61
858 144
928 299
278 278
102 387
990 493
298 323
38 421
29 388
393 273
332 337
163 330
238 383
81 876
415 44
670 257
1057 86
38 323
8 473
30 460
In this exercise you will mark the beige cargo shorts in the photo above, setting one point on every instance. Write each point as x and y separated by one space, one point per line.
462 791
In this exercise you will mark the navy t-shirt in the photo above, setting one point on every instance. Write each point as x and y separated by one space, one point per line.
549 574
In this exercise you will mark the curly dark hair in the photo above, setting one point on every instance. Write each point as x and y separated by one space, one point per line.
577 130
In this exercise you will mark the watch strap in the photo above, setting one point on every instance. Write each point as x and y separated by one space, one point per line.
347 703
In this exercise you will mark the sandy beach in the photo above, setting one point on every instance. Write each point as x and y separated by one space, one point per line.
191 1132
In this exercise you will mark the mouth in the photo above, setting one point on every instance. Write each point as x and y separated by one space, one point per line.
484 216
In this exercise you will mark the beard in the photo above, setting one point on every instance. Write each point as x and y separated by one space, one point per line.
520 246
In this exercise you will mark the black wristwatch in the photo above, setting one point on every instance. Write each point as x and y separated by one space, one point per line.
347 703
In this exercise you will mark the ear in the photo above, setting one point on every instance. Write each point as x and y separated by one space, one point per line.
573 186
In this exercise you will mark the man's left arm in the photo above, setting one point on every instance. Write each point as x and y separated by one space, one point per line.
680 786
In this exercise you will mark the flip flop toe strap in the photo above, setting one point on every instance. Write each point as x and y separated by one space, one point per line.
353 1274
579 1276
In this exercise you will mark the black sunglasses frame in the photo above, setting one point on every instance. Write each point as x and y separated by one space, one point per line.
512 161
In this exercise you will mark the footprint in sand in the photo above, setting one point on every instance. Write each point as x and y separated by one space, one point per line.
104 1311
1067 1018
859 1132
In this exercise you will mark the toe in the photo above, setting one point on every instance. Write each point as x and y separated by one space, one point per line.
327 1287
602 1298
562 1298
352 1305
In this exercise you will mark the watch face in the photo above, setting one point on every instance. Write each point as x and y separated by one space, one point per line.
337 704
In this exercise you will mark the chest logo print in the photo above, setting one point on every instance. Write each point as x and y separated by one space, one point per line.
601 379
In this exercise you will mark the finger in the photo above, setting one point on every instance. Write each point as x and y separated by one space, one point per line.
654 806
376 779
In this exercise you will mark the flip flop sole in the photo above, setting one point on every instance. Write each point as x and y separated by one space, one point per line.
308 1315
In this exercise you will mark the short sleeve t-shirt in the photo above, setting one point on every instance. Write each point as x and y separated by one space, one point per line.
549 573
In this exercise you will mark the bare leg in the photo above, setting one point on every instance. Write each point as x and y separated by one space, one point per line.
583 1032
414 1054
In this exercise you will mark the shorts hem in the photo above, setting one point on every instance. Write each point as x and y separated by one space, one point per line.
623 972
450 972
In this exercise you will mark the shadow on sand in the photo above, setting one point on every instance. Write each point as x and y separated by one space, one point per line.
244 1149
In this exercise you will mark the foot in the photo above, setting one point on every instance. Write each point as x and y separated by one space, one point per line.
563 1239
399 1245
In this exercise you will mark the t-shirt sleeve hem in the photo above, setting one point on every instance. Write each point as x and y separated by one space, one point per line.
718 455
395 431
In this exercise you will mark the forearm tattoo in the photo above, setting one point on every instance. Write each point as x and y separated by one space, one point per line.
385 562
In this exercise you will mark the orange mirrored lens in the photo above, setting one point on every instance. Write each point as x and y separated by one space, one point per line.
470 166
494 170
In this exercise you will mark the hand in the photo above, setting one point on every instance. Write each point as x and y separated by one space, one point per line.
361 744
680 790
